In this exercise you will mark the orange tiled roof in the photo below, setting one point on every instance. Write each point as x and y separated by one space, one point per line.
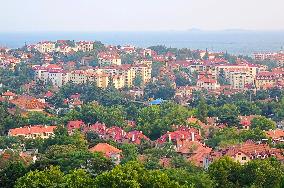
106 149
31 130
8 94
27 102
275 134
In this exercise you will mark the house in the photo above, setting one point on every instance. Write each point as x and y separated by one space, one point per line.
194 151
115 133
73 125
128 49
245 121
207 83
246 152
36 131
268 80
45 47
275 135
50 73
184 91
84 46
8 95
108 151
28 103
107 59
179 136
135 137
98 128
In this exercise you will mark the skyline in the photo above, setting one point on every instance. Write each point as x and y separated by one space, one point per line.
127 15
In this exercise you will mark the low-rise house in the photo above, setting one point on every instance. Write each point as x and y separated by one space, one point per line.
36 131
246 152
245 121
8 95
108 151
194 151
180 136
73 125
135 137
45 47
84 46
275 135
28 103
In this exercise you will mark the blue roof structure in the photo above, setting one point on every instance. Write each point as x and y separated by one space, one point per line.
156 101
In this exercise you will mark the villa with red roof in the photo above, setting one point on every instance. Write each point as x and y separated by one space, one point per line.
8 95
73 125
276 135
245 152
36 131
108 151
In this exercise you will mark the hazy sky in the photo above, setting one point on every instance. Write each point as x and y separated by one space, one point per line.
140 15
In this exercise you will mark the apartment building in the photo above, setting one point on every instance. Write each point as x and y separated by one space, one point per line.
268 79
85 46
108 59
238 80
81 76
50 73
45 47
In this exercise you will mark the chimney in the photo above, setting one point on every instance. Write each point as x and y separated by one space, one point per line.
133 138
199 132
170 138
192 136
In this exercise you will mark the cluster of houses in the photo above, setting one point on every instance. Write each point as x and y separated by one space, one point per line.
239 76
188 141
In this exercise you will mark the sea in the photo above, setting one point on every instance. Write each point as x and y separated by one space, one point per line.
238 42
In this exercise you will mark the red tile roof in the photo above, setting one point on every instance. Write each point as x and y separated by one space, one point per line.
77 124
9 94
28 103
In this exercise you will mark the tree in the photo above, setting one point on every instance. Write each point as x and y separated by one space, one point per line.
187 178
160 89
51 177
263 123
134 175
129 152
138 80
225 172
157 120
69 157
79 179
228 114
54 177
222 78
9 174
263 173
248 108
181 80
202 110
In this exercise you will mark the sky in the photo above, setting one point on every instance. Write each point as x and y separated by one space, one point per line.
140 15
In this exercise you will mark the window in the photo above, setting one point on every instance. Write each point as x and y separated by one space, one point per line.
244 158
